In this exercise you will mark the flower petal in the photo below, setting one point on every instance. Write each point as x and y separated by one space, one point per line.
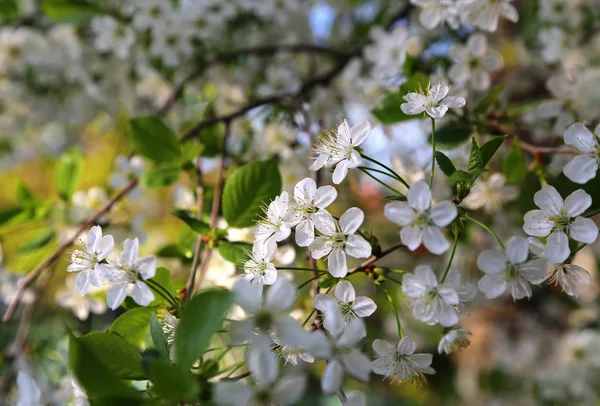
359 132
419 196
577 202
357 247
584 230
517 249
492 262
281 296
344 292
325 196
581 138
582 168
538 223
400 213
351 220
443 213
411 236
557 247
549 199
434 240
340 172
364 306
142 294
337 263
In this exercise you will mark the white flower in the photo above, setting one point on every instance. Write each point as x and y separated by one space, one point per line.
433 302
583 167
356 399
343 308
338 239
340 149
110 35
564 274
80 305
558 219
454 341
485 14
345 358
259 268
269 388
474 63
273 226
387 51
268 316
434 101
510 270
289 352
128 276
491 194
29 393
401 363
309 202
86 260
436 12
126 170
87 202
419 221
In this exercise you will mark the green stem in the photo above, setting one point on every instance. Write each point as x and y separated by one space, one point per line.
162 292
398 177
486 228
389 298
315 309
308 281
393 279
235 367
592 214
576 250
222 347
433 152
381 182
368 168
290 268
451 258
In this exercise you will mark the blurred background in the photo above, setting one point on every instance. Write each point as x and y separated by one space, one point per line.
72 73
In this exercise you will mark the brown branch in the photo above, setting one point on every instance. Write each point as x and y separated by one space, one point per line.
200 205
374 258
235 378
532 149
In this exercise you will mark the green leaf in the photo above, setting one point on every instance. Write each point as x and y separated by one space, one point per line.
91 364
489 148
163 278
388 110
234 251
187 242
475 157
452 135
211 138
159 176
201 318
9 214
250 186
158 336
198 226
26 196
36 242
173 382
515 167
69 11
399 198
444 163
484 105
460 176
68 172
132 325
154 140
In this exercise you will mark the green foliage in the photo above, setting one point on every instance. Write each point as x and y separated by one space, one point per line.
25 196
475 157
444 163
211 139
69 11
460 176
172 382
250 186
196 225
161 175
452 135
201 318
68 173
154 140
36 242
489 148
388 110
163 278
488 100
158 337
515 167
132 325
234 251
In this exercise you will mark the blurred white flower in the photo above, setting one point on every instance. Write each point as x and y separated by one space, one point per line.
111 35
474 62
436 12
29 393
81 306
486 14
387 51
454 341
491 193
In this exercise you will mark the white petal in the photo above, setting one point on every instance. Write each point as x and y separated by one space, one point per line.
281 296
582 168
104 246
337 263
493 285
517 249
357 247
549 199
262 363
437 112
356 364
434 240
383 366
477 44
344 292
356 399
412 237
454 102
146 266
116 295
364 306
557 247
82 282
340 172
577 202
383 348
412 108
129 255
537 223
332 378
492 262
584 230
324 222
325 196
247 296
581 138
419 196
406 346
443 213
232 394
351 220
289 389
359 132
400 213
320 247
142 294
305 190
93 236
536 246
305 233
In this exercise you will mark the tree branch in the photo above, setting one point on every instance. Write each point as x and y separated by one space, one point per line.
374 258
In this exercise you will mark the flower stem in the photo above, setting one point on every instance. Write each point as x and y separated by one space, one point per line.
291 268
162 291
308 281
368 168
389 298
433 152
592 214
451 259
381 182
393 279
398 177
486 228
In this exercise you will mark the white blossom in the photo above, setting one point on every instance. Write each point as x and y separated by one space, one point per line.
473 63
510 270
81 306
491 194
129 274
259 268
340 149
435 302
87 260
401 363
343 307
454 341
339 239
434 101
566 275
560 219
420 221
387 51
29 393
274 225
436 12
308 204
486 14
584 167
110 35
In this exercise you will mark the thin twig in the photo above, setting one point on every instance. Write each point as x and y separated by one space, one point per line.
235 378
200 204
374 258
